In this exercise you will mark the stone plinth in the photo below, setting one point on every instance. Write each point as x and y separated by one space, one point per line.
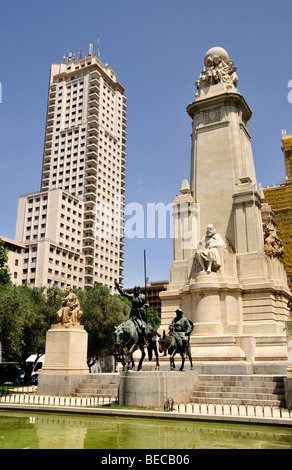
288 380
152 388
65 360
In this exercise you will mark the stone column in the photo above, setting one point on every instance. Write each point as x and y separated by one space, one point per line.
221 155
247 219
185 233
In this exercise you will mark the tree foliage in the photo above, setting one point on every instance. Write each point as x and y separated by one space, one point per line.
101 313
27 313
4 270
25 316
153 318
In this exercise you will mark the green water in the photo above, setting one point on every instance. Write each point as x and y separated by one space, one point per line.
38 430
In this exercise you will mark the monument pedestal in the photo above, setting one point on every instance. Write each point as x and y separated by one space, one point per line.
288 380
152 388
65 360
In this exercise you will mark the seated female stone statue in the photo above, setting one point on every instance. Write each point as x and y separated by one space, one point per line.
70 311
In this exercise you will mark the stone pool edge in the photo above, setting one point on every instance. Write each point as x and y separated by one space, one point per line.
147 414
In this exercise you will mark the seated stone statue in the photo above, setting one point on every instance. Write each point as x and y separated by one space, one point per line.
70 311
207 255
273 246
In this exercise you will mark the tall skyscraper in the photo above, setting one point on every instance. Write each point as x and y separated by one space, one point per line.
73 228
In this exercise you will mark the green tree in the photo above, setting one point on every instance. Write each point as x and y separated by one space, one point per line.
101 313
153 318
27 313
25 316
4 270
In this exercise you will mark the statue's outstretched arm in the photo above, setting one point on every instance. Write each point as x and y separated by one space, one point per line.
122 292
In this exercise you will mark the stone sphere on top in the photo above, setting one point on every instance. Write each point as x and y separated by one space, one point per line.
216 51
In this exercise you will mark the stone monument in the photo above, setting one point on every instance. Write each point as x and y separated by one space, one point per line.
150 388
66 351
226 274
288 379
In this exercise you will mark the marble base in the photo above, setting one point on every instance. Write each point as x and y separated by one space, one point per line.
152 388
65 360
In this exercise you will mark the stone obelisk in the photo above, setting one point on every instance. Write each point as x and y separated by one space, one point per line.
223 275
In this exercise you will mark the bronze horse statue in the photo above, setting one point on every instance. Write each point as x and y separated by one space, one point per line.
171 344
127 336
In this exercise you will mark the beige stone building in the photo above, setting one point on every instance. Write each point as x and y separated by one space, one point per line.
50 223
15 259
73 228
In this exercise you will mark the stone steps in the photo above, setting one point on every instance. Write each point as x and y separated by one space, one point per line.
229 387
242 401
241 390
86 391
98 385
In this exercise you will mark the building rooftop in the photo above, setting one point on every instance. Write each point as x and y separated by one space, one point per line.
12 242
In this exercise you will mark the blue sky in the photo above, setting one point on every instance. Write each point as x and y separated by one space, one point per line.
157 50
